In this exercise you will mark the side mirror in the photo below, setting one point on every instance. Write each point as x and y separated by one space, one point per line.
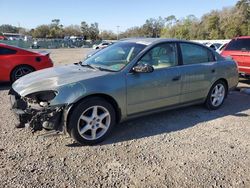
143 68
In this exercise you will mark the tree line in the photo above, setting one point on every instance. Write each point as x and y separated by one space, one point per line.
56 30
217 24
224 24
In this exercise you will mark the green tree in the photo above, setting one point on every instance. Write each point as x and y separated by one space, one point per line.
133 32
243 12
6 28
56 29
41 31
183 29
107 35
170 21
85 29
227 23
93 31
153 27
72 30
213 25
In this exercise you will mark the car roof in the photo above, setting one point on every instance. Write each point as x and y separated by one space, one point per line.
13 47
149 41
3 44
9 46
19 49
242 37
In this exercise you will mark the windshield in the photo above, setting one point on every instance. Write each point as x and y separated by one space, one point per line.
116 56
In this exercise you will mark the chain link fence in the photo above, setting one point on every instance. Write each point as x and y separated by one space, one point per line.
51 43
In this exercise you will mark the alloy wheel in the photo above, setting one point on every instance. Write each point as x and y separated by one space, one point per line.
217 95
21 72
94 122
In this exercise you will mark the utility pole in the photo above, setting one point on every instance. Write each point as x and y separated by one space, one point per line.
18 23
118 32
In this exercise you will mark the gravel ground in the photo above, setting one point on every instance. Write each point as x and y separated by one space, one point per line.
189 147
67 55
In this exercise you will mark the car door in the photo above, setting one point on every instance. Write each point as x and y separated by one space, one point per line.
5 63
197 71
160 88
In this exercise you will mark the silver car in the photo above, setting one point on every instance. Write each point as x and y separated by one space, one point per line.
125 80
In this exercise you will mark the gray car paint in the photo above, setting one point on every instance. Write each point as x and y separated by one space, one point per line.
133 92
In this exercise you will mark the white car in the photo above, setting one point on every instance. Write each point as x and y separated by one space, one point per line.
213 46
101 46
221 48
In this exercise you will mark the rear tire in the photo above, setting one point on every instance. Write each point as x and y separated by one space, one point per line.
216 95
91 121
20 71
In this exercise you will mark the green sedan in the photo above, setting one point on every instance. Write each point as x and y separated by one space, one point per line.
128 79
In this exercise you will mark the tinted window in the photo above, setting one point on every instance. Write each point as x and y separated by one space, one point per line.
193 54
239 44
161 56
6 51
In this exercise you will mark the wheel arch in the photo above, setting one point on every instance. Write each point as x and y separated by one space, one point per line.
220 79
106 97
226 83
20 65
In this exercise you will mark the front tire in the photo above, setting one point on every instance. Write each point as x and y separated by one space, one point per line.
216 95
91 121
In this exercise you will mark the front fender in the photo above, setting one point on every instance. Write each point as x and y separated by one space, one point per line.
69 93
112 86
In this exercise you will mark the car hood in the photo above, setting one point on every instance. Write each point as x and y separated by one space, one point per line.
52 78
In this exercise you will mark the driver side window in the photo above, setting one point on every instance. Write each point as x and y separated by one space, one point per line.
161 56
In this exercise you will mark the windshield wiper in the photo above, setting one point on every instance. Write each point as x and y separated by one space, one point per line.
94 67
104 69
78 63
87 65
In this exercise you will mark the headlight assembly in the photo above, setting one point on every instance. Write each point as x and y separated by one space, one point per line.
43 96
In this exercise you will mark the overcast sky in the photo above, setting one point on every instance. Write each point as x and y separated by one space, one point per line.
108 13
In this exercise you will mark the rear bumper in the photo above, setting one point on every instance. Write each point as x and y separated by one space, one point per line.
245 70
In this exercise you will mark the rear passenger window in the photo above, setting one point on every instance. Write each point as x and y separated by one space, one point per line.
239 45
6 51
193 54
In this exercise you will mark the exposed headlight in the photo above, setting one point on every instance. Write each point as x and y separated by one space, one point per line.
43 96
43 104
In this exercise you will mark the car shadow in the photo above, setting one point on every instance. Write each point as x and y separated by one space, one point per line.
245 80
244 85
176 120
5 86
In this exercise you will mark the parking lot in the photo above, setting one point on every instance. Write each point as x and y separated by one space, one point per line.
188 147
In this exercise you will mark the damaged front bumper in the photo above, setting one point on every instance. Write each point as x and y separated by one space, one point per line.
37 115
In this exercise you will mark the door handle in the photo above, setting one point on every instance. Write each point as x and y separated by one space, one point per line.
213 70
176 78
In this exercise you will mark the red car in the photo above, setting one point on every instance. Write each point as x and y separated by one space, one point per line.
16 62
239 49
3 37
